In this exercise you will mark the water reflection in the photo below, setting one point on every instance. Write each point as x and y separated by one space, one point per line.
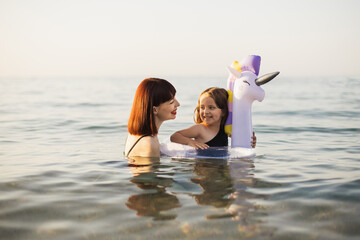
241 171
226 185
155 200
214 178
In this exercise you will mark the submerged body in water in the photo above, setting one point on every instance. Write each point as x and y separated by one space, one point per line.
64 175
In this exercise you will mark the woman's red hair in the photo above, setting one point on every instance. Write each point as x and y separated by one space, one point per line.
151 92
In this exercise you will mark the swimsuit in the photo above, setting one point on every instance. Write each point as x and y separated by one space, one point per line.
136 143
220 140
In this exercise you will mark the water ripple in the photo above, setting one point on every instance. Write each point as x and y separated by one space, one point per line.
275 129
64 175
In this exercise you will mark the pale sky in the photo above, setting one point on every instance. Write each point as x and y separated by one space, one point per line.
99 38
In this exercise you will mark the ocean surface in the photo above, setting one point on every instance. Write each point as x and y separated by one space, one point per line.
64 176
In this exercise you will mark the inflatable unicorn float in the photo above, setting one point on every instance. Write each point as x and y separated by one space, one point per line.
244 87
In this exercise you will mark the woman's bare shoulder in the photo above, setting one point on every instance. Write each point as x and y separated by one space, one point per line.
148 141
146 147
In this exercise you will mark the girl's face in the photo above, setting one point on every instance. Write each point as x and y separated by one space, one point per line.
210 114
167 110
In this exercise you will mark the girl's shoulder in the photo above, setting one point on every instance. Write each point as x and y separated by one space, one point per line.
195 127
199 127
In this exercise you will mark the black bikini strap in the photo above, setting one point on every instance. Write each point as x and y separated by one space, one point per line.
136 143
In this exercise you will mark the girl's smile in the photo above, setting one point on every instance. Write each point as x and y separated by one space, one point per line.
210 114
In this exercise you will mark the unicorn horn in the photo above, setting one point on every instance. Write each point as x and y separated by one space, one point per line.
266 78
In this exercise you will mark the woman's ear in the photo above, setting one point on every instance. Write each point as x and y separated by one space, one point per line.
155 110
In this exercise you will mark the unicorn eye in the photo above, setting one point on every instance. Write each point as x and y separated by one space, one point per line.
246 82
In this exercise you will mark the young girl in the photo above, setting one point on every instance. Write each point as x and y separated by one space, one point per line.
210 116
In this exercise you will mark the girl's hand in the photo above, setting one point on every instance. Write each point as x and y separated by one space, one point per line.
197 145
253 142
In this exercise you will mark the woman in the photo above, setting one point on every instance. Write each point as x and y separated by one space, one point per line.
153 104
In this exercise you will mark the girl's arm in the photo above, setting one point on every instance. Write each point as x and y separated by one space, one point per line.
253 142
187 137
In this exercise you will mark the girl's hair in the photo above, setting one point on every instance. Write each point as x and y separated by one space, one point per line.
151 92
220 96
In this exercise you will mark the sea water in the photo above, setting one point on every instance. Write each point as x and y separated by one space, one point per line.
64 175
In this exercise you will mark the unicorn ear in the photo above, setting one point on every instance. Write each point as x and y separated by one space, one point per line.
234 72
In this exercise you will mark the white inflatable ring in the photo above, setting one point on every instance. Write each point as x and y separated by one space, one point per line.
175 150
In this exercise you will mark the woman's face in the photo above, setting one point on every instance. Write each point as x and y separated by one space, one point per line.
210 114
167 110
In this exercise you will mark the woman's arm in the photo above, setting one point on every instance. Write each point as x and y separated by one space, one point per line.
188 136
